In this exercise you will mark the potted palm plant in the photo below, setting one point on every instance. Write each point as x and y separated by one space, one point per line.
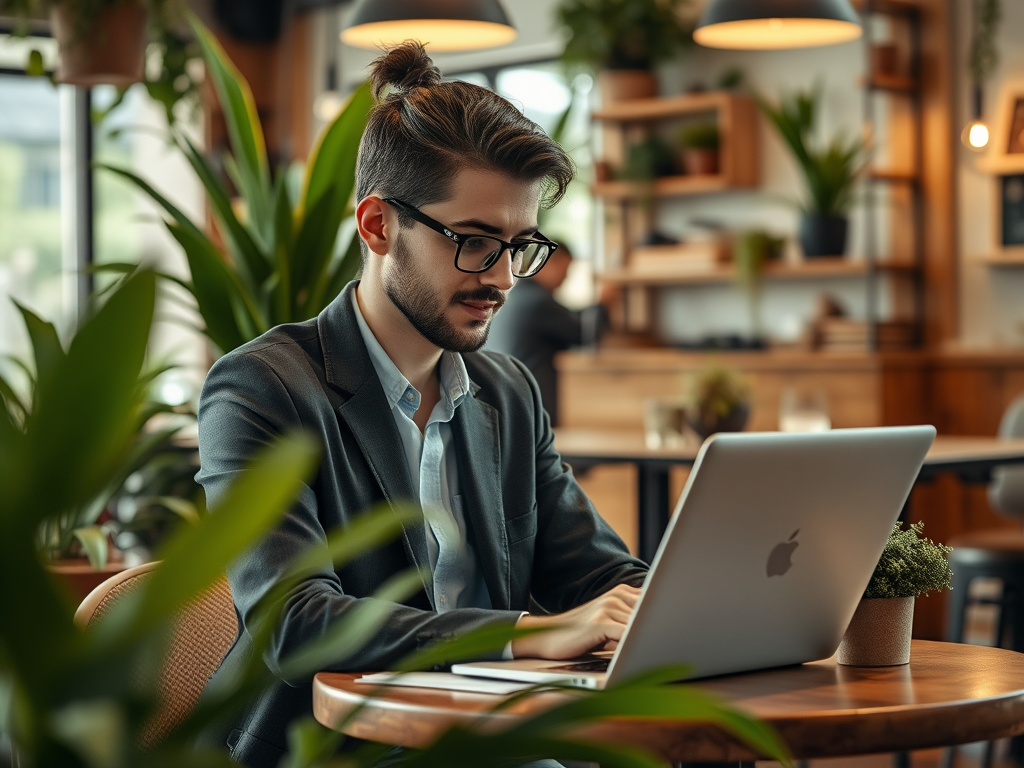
282 260
830 171
911 565
622 40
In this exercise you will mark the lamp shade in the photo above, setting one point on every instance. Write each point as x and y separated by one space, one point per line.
446 25
776 24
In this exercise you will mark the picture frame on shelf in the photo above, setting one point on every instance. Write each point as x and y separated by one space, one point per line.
1005 161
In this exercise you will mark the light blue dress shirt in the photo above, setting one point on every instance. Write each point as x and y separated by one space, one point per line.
458 580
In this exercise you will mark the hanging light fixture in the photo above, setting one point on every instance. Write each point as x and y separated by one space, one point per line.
329 102
776 24
975 134
446 25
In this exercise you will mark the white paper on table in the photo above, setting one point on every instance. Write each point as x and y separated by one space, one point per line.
446 681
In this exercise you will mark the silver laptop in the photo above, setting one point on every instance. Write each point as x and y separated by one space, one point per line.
772 543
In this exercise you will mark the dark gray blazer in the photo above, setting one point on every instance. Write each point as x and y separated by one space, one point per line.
536 533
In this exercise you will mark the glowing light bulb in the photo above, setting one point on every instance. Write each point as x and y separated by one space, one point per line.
975 135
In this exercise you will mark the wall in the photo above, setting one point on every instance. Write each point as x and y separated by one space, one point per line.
991 300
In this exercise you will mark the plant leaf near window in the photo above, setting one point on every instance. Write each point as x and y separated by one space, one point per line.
283 260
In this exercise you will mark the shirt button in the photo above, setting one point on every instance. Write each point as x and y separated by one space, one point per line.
410 396
443 600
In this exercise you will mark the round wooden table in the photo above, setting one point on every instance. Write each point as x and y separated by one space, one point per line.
949 694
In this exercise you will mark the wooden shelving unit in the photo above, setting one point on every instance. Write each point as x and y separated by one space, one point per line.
679 274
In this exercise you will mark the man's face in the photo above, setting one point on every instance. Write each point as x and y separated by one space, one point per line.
453 309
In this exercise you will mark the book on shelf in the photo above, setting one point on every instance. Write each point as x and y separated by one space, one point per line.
841 334
678 258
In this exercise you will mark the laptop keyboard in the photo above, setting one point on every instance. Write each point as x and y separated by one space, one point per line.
596 665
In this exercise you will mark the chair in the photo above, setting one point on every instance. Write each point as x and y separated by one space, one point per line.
203 633
997 554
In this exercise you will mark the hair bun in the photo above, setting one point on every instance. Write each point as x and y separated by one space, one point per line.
404 67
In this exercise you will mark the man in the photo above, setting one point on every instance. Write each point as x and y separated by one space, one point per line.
449 180
533 326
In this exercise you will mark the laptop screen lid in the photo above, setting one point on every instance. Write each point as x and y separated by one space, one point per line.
771 546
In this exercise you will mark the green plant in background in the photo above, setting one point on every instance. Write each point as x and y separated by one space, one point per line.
751 251
283 262
984 55
831 168
173 81
699 136
78 530
622 34
911 565
647 160
718 400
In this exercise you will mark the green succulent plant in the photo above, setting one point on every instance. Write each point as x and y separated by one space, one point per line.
911 565
699 136
281 259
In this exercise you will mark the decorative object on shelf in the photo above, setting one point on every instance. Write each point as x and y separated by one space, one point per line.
776 24
911 565
751 251
443 25
830 171
283 262
981 62
647 160
885 59
700 143
718 401
622 40
1011 211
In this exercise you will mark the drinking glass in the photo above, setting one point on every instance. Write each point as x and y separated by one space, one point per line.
804 410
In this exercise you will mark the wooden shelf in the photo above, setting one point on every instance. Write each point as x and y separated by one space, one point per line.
646 110
892 83
1008 260
892 176
675 274
891 7
667 186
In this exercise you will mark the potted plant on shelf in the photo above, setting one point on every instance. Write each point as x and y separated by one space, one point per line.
699 149
622 40
830 171
282 260
718 401
911 565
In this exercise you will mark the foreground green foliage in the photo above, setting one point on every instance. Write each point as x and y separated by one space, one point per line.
71 697
830 168
280 261
911 565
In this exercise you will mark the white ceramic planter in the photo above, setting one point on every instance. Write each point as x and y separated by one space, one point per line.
879 633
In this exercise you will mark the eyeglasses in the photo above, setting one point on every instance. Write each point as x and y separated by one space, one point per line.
478 253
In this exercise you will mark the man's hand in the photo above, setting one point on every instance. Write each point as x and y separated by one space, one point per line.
592 626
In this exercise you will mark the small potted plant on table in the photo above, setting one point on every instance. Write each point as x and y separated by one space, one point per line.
911 565
719 401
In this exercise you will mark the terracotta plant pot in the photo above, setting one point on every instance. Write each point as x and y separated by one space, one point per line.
81 577
879 633
700 161
626 84
109 51
734 422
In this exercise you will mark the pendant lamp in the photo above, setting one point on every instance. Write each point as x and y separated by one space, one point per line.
776 24
444 25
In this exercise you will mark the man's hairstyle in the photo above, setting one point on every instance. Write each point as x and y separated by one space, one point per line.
423 131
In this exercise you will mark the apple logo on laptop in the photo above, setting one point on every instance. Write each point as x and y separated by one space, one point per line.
779 560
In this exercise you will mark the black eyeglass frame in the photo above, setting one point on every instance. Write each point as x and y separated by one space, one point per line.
459 238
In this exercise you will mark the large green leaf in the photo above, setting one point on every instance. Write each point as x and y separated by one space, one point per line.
343 269
218 292
244 249
314 244
244 129
198 555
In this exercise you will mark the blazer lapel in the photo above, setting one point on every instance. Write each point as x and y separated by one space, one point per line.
348 367
475 428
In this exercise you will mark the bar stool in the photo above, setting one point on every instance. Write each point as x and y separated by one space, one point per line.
997 554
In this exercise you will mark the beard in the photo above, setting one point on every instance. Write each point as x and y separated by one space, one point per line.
425 309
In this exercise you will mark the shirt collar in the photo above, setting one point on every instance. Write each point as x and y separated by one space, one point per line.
454 377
